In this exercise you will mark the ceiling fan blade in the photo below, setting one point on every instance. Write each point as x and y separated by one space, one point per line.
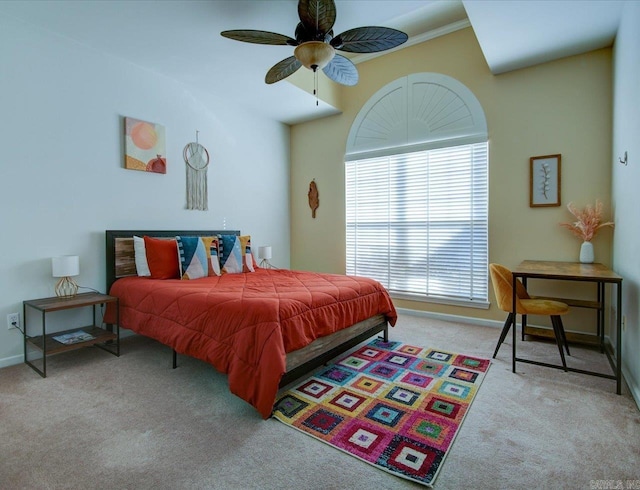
317 16
341 70
260 37
283 69
368 39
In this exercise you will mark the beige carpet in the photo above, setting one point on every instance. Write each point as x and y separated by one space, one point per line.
132 422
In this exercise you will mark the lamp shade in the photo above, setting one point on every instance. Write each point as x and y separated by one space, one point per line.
264 252
65 266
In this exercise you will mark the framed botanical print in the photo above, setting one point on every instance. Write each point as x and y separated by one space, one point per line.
544 181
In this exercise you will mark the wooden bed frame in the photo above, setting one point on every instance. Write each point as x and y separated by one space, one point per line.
121 263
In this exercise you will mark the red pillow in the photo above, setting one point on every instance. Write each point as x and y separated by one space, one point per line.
162 257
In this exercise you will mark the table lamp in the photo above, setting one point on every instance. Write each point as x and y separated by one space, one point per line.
65 267
264 253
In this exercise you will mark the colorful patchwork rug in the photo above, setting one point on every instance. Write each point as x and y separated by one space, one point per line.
393 405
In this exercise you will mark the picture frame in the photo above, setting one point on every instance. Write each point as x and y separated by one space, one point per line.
144 146
544 181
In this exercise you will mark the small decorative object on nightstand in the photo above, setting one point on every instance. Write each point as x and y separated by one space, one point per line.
65 267
264 253
72 339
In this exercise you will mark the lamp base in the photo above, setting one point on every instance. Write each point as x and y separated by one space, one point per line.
66 288
265 264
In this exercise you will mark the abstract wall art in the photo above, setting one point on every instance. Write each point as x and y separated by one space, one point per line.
144 146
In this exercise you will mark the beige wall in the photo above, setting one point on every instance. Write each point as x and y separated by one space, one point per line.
560 107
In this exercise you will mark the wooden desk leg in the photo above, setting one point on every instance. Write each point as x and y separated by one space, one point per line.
524 317
601 310
44 344
515 322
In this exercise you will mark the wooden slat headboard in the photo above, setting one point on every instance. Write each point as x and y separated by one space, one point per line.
120 260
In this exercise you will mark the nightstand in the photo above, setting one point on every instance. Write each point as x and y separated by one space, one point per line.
103 338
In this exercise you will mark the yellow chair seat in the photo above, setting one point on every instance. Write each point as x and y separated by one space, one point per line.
543 307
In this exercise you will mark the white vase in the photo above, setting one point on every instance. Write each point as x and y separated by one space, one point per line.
586 253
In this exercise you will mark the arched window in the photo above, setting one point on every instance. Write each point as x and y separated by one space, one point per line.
417 191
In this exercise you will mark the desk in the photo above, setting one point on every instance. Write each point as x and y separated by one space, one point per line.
576 271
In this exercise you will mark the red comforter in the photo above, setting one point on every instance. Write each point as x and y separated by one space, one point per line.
244 324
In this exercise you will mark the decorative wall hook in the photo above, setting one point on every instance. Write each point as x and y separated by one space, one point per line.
623 161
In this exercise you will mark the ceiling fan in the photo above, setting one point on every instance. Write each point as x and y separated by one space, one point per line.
316 45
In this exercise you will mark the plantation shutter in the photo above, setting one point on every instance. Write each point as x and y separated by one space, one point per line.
418 223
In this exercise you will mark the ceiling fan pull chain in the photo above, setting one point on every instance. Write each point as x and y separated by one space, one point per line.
315 85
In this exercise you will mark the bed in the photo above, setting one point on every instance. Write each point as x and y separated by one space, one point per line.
263 329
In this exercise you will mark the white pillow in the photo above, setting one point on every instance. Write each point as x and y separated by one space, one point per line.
142 267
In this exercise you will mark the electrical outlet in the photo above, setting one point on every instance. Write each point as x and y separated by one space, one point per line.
13 320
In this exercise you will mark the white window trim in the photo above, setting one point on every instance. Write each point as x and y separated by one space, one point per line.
419 109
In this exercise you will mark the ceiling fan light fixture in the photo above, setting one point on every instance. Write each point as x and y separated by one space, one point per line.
317 44
314 54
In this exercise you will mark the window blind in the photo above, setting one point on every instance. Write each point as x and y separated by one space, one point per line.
418 222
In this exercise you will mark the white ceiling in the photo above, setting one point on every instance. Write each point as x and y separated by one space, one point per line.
181 39
517 34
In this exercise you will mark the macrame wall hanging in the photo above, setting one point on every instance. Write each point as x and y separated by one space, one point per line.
196 157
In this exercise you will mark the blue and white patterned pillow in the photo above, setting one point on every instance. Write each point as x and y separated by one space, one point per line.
235 254
198 256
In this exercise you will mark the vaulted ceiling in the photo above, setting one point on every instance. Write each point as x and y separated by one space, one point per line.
181 39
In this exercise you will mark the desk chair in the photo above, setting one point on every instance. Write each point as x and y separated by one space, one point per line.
502 280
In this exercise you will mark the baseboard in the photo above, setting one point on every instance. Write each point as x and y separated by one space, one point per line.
19 359
11 361
469 320
634 388
452 318
472 321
